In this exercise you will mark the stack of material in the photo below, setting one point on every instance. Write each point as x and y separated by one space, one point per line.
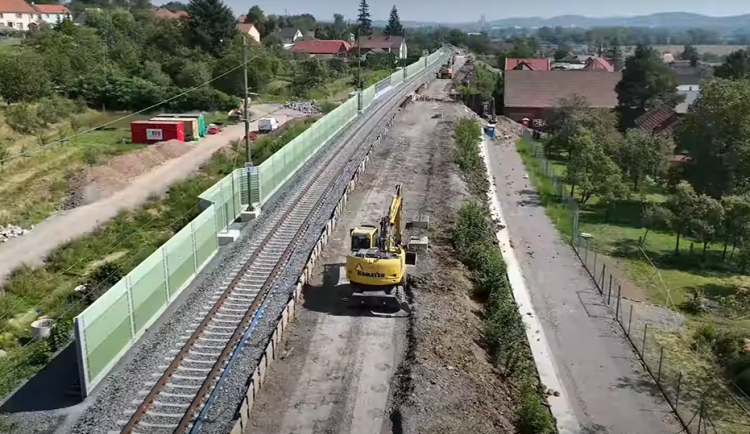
12 231
309 107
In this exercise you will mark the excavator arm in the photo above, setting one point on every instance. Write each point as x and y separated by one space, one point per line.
391 232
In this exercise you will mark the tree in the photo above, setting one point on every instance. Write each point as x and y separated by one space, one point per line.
591 171
707 220
681 205
643 154
654 217
714 133
615 53
364 23
646 82
255 15
736 220
690 53
571 114
24 77
562 52
212 24
394 28
309 76
736 66
339 27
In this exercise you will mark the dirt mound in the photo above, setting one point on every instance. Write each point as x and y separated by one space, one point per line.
97 182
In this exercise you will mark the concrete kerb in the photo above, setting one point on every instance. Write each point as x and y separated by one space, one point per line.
242 417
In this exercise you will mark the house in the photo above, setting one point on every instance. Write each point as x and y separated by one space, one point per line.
17 14
321 47
538 64
290 35
385 43
160 12
530 94
51 13
596 63
661 118
249 29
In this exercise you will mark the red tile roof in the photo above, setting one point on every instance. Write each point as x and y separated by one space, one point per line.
658 119
598 64
380 41
51 9
16 6
245 27
542 89
319 46
538 64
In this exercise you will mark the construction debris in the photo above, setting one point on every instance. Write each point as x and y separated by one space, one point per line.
11 231
309 107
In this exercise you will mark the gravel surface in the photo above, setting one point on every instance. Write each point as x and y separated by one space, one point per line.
594 362
113 400
235 385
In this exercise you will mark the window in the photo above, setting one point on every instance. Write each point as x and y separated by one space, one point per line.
19 16
20 26
1 15
10 24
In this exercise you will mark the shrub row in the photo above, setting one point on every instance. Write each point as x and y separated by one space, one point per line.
504 331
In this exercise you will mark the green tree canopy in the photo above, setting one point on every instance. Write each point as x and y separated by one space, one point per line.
364 23
211 25
736 66
643 154
716 134
646 82
394 27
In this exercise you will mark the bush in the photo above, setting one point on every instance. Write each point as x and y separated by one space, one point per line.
532 416
467 135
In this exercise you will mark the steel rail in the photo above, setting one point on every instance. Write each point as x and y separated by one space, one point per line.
250 312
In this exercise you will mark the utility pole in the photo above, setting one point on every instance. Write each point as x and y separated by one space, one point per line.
359 72
249 165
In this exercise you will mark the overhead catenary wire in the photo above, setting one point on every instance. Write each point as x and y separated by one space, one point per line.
120 119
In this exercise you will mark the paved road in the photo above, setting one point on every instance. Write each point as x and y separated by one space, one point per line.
62 227
606 386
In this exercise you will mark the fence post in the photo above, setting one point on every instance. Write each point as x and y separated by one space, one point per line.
643 347
677 398
609 293
630 321
661 359
593 270
604 273
617 311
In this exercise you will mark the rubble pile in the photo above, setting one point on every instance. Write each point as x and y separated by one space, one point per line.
11 231
309 107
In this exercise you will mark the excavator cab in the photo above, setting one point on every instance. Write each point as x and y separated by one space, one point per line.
364 237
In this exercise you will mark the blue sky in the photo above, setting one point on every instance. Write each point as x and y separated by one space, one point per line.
471 10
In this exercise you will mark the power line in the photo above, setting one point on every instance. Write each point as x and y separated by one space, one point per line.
46 145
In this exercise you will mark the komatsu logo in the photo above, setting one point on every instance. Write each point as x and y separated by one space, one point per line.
361 272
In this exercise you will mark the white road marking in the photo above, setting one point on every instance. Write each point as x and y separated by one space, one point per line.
567 422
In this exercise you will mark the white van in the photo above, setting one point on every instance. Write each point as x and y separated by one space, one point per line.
267 124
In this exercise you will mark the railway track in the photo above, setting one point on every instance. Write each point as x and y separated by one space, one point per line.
172 403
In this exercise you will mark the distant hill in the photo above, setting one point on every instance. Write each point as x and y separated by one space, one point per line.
667 20
672 20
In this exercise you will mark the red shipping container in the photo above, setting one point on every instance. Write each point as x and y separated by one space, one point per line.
156 131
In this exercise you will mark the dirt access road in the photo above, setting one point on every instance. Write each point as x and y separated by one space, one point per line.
608 390
62 227
345 371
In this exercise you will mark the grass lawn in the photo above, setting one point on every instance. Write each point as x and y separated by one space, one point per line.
278 91
670 281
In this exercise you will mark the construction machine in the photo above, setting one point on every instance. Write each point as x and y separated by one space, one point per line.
376 264
446 71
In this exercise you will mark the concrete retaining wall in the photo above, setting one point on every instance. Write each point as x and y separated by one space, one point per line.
290 311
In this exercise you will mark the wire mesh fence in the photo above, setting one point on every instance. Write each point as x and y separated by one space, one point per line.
704 401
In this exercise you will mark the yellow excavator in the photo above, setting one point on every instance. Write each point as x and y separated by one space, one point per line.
376 264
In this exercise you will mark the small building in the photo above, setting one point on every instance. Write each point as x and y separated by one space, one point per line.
530 94
535 64
321 47
596 63
249 30
290 35
690 92
385 43
161 12
17 15
51 13
661 118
